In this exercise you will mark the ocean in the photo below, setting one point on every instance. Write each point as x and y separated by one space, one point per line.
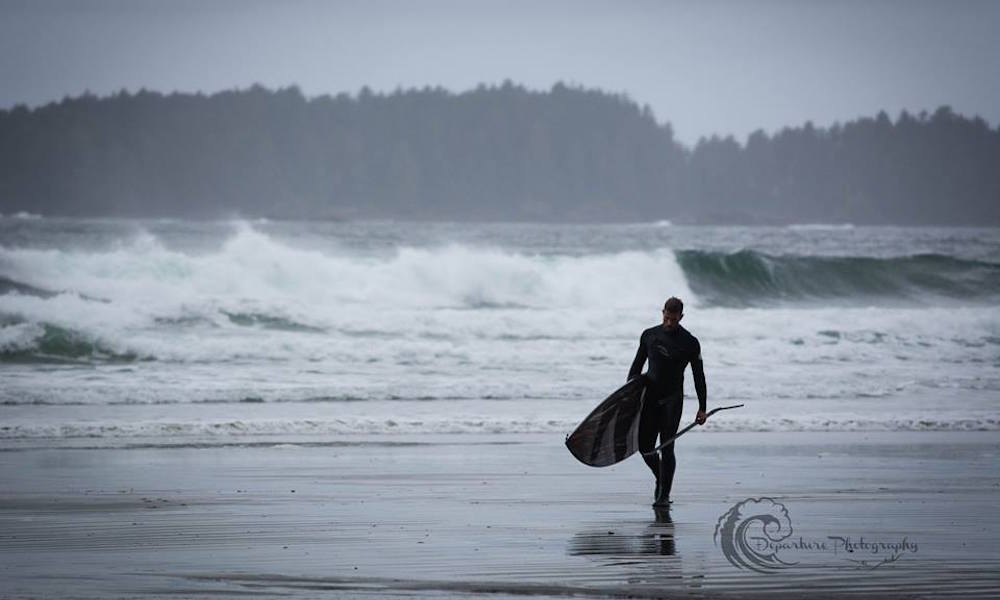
169 333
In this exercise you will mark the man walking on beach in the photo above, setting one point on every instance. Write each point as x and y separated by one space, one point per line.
669 348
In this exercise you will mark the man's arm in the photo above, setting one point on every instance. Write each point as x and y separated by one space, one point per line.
698 370
640 359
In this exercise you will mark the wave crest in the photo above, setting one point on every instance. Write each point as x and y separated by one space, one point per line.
48 343
751 278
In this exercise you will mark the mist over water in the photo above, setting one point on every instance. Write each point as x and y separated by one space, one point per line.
169 332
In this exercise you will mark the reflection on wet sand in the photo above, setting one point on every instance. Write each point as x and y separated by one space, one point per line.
622 539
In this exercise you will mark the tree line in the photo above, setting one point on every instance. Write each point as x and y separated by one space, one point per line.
493 153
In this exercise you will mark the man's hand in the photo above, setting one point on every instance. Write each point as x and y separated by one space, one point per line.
701 417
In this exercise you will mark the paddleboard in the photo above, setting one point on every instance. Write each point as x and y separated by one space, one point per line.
610 433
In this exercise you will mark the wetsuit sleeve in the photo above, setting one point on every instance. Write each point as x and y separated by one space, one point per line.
640 359
698 370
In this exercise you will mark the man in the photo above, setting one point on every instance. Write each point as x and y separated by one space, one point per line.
669 348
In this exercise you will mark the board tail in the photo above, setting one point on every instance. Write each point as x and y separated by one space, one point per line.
610 433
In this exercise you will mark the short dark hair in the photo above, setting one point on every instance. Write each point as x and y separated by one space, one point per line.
674 306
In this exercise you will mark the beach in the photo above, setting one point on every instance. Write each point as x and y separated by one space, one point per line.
372 409
505 515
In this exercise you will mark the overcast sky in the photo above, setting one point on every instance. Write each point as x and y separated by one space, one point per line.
706 67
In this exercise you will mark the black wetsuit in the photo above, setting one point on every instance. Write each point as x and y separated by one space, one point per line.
669 353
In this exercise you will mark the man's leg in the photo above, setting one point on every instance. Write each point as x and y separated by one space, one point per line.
649 426
670 421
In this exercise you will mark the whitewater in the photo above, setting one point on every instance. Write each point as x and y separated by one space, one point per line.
137 333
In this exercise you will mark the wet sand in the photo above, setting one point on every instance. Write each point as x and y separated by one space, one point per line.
506 515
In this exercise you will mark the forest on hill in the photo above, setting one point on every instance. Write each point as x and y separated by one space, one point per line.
503 152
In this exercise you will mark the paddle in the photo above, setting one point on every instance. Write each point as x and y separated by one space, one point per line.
688 428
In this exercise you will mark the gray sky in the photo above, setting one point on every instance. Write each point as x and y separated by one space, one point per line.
707 67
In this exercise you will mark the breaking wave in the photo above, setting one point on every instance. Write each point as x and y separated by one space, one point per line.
47 343
750 278
252 266
142 300
9 286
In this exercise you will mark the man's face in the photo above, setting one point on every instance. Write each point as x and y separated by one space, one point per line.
671 319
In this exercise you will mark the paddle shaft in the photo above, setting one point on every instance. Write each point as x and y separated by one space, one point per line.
687 429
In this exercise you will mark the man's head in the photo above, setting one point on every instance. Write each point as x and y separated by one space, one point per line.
673 312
